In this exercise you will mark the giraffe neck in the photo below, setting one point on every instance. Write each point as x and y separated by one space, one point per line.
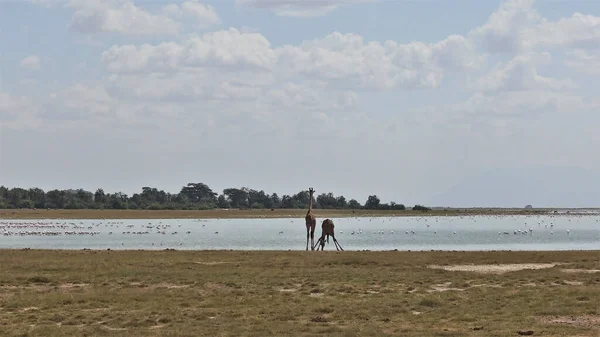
310 202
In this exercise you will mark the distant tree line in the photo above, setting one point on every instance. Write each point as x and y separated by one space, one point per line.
192 196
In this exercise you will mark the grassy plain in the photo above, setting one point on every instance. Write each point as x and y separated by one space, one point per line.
245 213
237 293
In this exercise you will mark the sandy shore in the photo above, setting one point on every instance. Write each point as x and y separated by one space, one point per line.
242 214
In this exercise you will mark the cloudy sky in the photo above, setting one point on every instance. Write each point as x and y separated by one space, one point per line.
403 99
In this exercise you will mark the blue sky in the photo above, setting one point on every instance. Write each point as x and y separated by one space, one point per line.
403 99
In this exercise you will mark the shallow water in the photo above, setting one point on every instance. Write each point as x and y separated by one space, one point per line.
548 232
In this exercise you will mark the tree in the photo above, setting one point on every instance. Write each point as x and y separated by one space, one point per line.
372 202
327 200
353 204
288 202
275 201
420 208
199 193
55 199
38 197
237 197
258 199
341 202
398 207
191 196
99 198
222 202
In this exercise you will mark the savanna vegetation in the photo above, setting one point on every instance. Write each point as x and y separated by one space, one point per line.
236 293
193 196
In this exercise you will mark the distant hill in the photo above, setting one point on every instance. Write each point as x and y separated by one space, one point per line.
553 186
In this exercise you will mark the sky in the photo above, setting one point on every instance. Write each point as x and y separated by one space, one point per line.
402 99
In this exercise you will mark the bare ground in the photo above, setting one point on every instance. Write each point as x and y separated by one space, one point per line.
185 293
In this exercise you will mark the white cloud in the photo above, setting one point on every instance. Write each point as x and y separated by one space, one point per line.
344 60
521 74
31 62
516 27
503 31
203 14
225 48
578 31
584 62
17 112
118 16
300 8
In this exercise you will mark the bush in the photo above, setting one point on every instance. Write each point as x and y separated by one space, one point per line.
421 208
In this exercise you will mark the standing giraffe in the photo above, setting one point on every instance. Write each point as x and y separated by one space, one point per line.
328 230
311 221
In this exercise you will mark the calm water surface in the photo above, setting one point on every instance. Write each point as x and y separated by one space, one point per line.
548 232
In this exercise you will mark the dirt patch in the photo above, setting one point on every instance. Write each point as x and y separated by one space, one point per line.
587 321
29 309
443 287
573 283
210 263
287 290
588 271
170 286
495 268
72 285
160 326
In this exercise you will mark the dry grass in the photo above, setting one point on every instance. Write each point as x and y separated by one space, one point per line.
235 293
236 213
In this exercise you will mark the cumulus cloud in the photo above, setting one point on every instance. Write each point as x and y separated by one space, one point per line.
343 60
225 48
118 16
521 74
31 62
300 8
584 62
503 32
203 14
578 31
516 27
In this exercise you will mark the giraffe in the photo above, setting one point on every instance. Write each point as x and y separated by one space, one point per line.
327 231
311 221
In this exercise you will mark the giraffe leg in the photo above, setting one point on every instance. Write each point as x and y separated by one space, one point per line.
337 244
317 244
307 234
312 238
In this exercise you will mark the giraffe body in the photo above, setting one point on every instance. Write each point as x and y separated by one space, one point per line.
327 230
311 221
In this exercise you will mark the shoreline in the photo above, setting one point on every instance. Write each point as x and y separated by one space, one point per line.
31 214
275 251
302 251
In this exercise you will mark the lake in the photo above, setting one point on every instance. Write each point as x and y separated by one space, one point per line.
539 232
